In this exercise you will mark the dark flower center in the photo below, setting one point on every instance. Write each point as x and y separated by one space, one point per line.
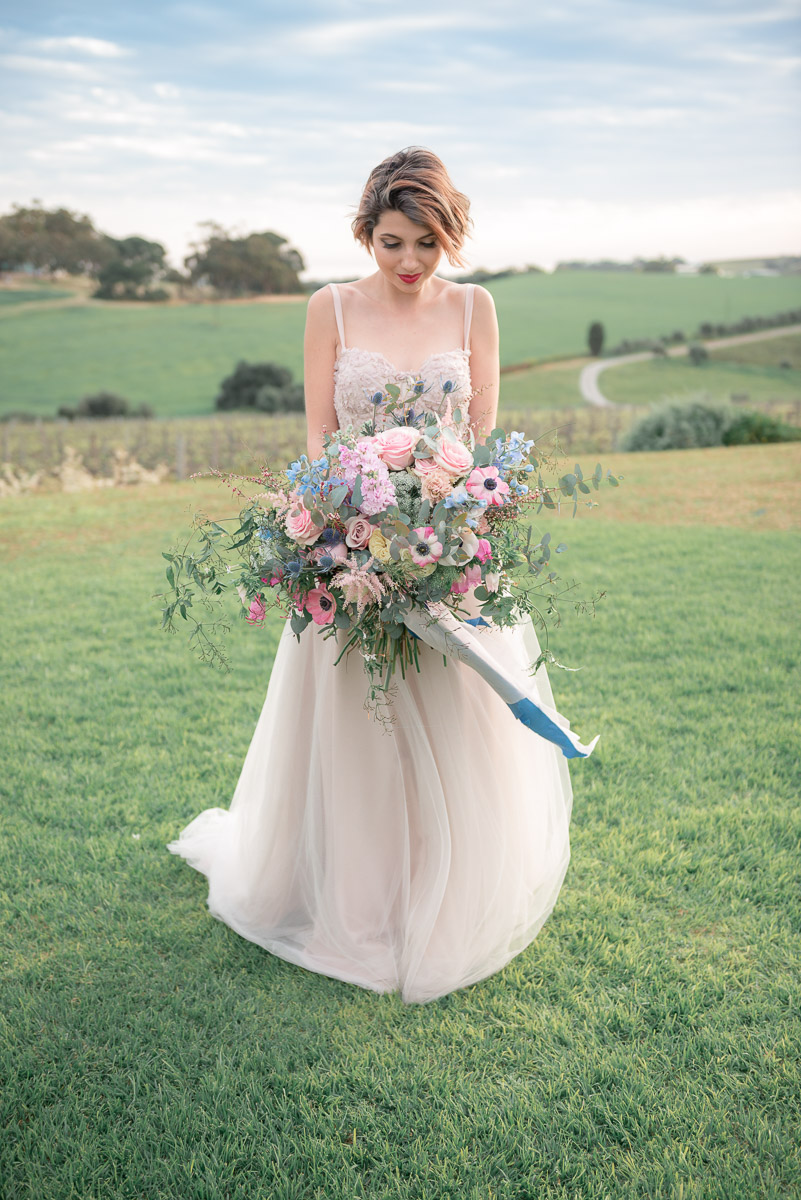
422 547
325 603
490 484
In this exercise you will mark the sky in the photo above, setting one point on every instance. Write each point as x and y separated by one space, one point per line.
582 129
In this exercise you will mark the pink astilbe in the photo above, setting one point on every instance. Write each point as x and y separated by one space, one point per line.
359 585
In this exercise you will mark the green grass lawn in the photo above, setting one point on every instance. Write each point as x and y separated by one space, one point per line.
548 386
173 357
750 369
646 1044
15 296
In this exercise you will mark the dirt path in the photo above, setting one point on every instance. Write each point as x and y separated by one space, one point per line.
588 380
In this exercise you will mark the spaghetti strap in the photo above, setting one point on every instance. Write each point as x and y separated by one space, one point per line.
338 314
468 313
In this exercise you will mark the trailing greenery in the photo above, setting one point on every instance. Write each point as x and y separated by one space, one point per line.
646 1044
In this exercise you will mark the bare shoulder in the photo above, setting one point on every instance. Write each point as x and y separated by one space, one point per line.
485 319
483 301
320 302
320 316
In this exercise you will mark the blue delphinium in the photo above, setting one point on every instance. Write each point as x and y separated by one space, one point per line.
459 497
511 454
306 476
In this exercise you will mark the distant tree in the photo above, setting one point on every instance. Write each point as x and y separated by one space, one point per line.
258 264
658 264
262 387
52 240
130 275
595 338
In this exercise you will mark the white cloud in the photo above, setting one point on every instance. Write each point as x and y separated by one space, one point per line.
330 38
51 67
94 47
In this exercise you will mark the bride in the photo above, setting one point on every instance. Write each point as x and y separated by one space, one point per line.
422 860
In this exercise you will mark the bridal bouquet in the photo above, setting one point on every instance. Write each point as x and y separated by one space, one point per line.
377 542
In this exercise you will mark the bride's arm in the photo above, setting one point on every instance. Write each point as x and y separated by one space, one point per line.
319 356
484 363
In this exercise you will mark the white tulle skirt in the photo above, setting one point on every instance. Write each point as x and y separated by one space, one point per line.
420 860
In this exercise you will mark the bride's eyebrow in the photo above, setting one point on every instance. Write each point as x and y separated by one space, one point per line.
426 237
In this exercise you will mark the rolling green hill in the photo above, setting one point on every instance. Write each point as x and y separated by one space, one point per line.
174 357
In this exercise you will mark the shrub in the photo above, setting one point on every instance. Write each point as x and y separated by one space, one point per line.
749 427
18 416
697 422
104 404
698 353
262 387
677 426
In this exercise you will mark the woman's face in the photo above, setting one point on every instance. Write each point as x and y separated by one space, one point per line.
406 253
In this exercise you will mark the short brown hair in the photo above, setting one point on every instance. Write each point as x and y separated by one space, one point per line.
414 181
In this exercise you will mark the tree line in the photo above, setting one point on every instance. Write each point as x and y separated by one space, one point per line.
133 268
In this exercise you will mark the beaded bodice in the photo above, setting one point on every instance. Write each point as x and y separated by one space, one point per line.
359 374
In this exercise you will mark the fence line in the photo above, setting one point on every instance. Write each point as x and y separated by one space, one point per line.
243 442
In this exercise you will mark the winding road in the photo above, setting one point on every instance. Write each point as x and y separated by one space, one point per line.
588 379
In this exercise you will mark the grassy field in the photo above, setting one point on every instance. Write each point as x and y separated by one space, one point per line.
174 357
749 370
16 296
647 1043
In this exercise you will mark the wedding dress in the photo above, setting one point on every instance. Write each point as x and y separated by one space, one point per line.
420 860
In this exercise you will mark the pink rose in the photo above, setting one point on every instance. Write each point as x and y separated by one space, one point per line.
300 526
338 552
394 446
454 457
484 551
424 466
359 532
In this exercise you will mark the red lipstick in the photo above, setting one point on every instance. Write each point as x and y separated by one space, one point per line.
410 278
